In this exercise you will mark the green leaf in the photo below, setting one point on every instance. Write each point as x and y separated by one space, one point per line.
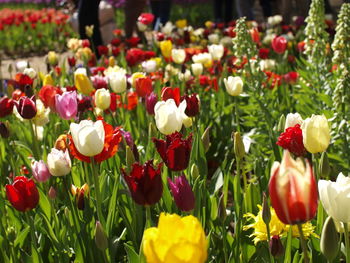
133 257
22 236
44 204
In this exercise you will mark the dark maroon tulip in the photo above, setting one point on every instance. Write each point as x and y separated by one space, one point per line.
26 107
145 183
175 151
6 106
192 101
182 193
276 247
22 194
151 101
4 131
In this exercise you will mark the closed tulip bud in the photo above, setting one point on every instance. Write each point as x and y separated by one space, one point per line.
48 80
101 240
238 145
234 85
194 171
293 190
281 123
52 193
324 167
61 143
266 211
26 107
197 69
276 246
111 61
67 105
182 193
4 130
89 30
117 81
40 171
52 58
151 101
206 139
59 162
82 82
80 193
329 242
316 133
102 99
178 55
130 159
166 47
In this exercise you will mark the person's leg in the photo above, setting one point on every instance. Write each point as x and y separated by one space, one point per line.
218 10
302 6
88 15
133 8
165 7
286 10
155 7
228 11
266 7
245 8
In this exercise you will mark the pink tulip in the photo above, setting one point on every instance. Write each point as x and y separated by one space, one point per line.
67 105
279 44
182 193
40 171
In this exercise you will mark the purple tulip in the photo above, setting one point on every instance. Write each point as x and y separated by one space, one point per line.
151 101
182 193
26 107
67 105
40 171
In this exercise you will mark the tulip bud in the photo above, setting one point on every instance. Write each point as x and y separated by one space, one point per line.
4 130
150 102
111 61
130 159
117 81
276 247
59 162
197 69
89 30
48 81
266 212
40 171
206 139
52 58
61 142
329 242
324 167
102 99
182 193
238 145
52 193
234 85
194 171
80 193
26 107
11 234
281 123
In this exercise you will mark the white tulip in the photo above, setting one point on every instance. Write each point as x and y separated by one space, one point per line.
216 51
102 99
197 69
149 66
88 137
178 55
30 72
117 81
234 85
59 162
293 119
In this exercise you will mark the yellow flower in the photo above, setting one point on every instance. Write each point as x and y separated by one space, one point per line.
136 76
165 47
209 24
52 58
83 83
175 240
48 80
181 23
276 227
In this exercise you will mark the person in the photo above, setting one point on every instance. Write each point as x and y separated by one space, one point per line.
161 11
87 16
245 8
223 10
133 9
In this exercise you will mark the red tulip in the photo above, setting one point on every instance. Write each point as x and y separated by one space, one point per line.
175 151
6 106
279 44
192 101
150 102
102 50
264 53
143 86
145 183
47 95
22 194
71 61
146 18
171 93
293 190
291 77
26 107
182 193
292 140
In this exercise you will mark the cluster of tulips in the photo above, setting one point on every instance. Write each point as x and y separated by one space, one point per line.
209 144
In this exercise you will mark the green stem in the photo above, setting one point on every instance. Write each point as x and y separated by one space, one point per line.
237 115
303 244
36 150
148 217
346 236
32 234
272 260
98 193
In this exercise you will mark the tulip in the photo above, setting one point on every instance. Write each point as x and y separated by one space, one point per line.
316 133
145 183
171 93
40 171
276 246
146 18
182 193
292 140
6 106
42 114
59 162
293 190
101 240
67 105
61 142
117 81
335 197
4 130
149 66
102 99
22 194
176 239
52 58
82 82
88 137
216 51
175 151
47 95
192 102
279 44
169 118
197 69
204 58
329 243
150 102
26 107
143 86
178 55
48 80
292 119
234 85
166 47
30 72
80 193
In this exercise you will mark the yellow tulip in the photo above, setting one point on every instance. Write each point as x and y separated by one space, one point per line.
175 240
165 47
181 23
83 84
48 80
